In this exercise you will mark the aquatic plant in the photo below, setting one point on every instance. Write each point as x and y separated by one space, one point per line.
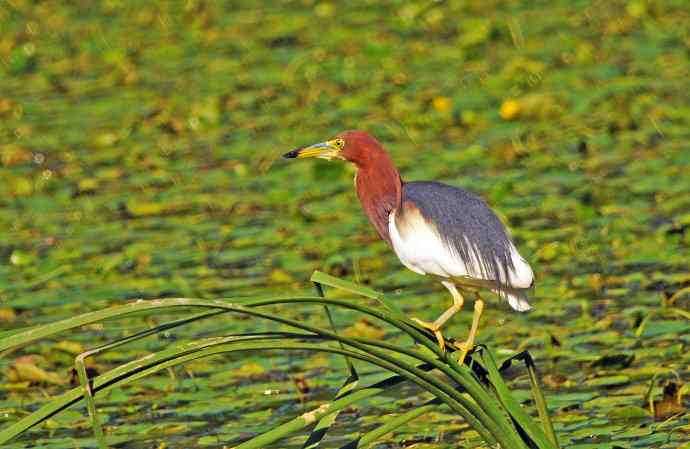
475 390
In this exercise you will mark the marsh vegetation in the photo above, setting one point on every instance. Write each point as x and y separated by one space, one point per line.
140 158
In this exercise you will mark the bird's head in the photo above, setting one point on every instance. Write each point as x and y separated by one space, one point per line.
377 182
358 147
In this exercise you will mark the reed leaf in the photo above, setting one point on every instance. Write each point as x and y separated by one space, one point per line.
455 386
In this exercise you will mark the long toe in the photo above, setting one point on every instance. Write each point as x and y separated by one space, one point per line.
440 340
435 329
426 324
465 349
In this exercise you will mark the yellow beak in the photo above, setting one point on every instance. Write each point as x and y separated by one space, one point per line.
328 150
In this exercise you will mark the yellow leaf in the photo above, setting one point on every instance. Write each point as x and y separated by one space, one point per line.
250 369
71 347
549 251
88 185
23 186
7 315
281 277
364 328
510 110
28 371
13 155
16 386
442 104
142 209
6 106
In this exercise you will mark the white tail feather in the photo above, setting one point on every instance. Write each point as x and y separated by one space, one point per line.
517 299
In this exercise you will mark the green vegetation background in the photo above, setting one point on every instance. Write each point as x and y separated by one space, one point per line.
140 157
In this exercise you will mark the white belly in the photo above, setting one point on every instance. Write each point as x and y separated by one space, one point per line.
424 251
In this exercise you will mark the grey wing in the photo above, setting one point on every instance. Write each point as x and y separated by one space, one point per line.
477 243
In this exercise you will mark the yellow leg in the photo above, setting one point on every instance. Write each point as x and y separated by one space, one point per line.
435 327
469 344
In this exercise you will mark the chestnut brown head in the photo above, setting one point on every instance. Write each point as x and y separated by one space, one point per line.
377 181
358 147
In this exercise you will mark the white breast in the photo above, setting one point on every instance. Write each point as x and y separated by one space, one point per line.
423 251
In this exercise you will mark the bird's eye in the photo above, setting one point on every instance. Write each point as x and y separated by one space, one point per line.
340 143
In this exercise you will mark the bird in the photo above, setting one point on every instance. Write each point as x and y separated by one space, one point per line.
435 229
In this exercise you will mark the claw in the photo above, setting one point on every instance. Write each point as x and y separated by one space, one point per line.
435 330
464 350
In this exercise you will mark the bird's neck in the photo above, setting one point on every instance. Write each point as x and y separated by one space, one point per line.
379 189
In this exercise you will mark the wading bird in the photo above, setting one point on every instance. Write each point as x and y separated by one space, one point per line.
433 228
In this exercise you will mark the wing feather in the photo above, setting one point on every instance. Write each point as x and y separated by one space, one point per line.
448 232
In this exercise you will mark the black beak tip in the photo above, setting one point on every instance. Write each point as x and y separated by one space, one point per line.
292 154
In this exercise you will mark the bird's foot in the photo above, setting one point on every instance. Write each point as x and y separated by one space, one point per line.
465 349
435 329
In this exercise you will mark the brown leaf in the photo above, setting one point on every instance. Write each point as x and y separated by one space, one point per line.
13 155
670 404
7 315
301 384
